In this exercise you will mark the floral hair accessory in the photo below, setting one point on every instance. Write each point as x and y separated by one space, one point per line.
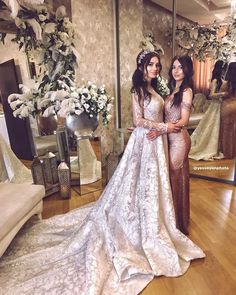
148 44
141 56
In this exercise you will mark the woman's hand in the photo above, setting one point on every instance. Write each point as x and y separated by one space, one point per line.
153 134
173 127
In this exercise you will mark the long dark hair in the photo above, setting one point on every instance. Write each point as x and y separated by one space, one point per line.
139 85
217 74
187 65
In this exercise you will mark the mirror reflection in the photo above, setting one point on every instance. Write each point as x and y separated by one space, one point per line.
212 121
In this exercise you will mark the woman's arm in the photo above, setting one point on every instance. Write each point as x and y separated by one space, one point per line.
140 121
138 117
186 107
216 95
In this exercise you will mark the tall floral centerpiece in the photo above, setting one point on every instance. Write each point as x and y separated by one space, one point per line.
50 37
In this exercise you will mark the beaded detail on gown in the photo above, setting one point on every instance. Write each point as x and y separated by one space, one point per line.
179 146
205 138
115 245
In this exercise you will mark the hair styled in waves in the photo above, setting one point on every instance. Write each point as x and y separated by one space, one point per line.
187 66
139 84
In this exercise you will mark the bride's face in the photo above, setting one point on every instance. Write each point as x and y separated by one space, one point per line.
153 68
177 71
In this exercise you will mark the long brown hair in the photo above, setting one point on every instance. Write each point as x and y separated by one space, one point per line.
139 84
187 66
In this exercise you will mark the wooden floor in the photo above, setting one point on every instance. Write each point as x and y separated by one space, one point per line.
213 228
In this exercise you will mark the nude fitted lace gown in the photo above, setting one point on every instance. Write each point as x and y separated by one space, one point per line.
116 245
179 146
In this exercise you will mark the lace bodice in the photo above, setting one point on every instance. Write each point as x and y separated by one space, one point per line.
149 116
173 113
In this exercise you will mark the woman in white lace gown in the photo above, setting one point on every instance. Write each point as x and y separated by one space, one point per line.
205 138
118 244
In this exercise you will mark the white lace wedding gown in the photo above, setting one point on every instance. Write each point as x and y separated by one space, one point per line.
205 138
116 245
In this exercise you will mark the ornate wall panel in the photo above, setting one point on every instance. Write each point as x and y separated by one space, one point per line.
94 42
131 23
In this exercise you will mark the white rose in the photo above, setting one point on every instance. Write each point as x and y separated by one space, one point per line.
109 117
67 23
42 17
74 94
86 106
24 112
78 112
109 106
63 36
50 28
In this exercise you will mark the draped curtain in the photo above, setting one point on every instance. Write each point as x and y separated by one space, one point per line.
202 75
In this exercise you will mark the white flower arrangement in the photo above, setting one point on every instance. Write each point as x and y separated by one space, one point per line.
212 41
162 87
52 37
70 99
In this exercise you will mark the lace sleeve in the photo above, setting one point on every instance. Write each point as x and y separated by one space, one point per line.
187 106
140 121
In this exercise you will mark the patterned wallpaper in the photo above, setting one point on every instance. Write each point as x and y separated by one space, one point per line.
138 17
159 22
93 21
131 23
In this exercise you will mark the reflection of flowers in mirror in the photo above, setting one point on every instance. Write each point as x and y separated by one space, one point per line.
215 41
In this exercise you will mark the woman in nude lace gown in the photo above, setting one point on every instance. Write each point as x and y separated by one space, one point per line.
177 109
119 243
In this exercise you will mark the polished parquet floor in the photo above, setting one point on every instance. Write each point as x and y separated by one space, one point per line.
213 228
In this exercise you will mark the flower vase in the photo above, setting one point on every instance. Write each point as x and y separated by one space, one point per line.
46 125
82 125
